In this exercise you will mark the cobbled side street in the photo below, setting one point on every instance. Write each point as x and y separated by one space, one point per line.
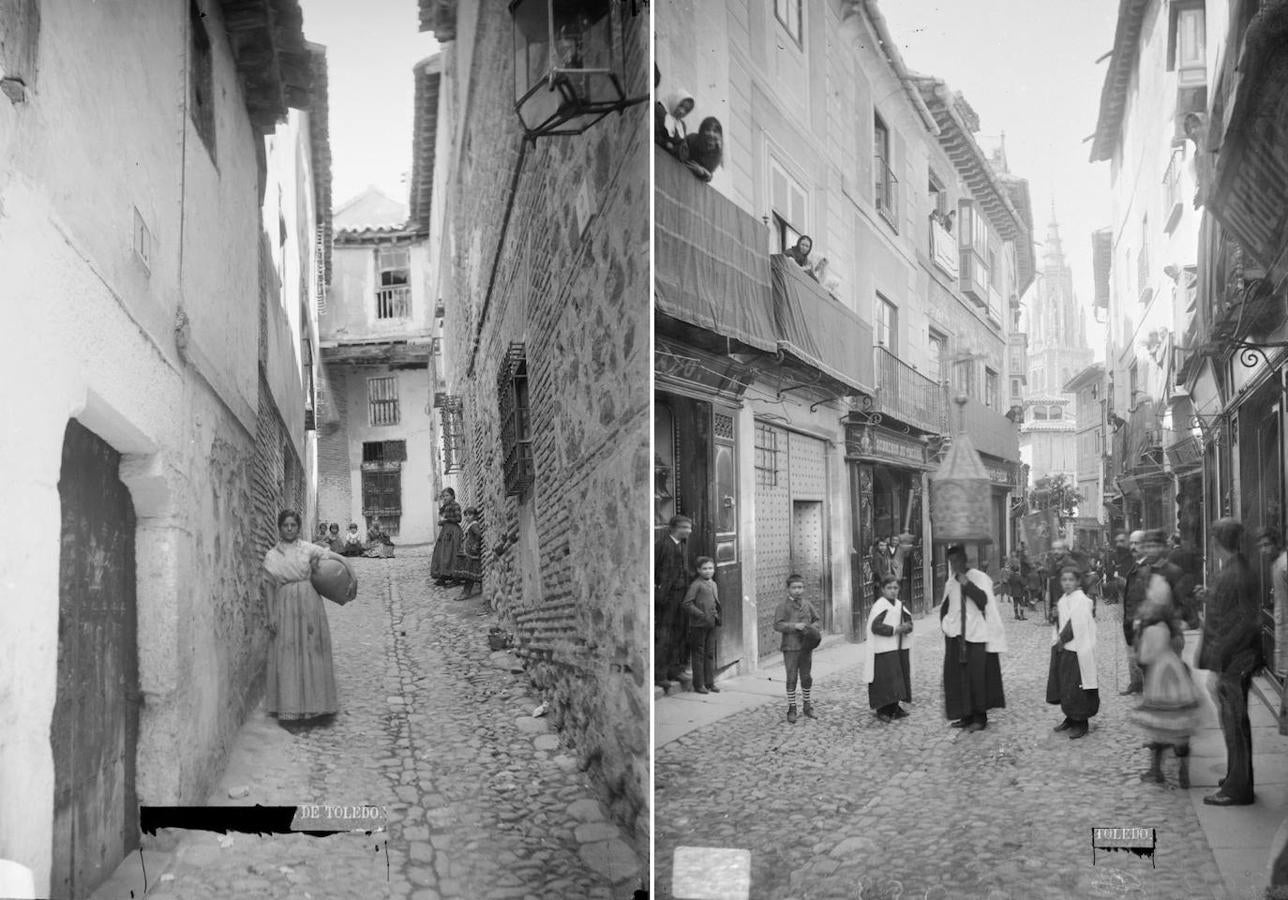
484 800
846 807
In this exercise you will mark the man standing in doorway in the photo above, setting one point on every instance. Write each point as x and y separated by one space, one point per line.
973 637
671 577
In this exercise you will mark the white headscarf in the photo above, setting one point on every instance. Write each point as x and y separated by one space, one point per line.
675 124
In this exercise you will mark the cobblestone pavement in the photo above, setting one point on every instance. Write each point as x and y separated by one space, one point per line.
846 807
484 801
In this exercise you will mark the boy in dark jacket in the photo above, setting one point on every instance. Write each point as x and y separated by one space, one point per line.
702 606
794 615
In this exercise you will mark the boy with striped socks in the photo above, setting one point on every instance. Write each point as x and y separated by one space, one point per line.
795 617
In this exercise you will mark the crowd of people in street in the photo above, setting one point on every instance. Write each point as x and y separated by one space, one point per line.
1155 580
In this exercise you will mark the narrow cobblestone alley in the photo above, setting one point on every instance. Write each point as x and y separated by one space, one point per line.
844 806
483 800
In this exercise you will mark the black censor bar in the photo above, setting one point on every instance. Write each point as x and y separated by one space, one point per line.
315 819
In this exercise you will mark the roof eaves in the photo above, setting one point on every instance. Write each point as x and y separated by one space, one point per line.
890 50
428 75
439 17
1113 94
320 152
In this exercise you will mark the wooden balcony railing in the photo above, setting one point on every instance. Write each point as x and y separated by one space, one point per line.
393 302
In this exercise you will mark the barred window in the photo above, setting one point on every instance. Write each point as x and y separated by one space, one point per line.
382 396
516 422
452 413
384 451
766 456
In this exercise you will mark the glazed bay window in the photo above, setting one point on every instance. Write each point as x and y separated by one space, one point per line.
393 287
382 400
973 238
516 423
1186 50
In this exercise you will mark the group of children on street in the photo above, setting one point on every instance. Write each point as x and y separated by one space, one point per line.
1167 712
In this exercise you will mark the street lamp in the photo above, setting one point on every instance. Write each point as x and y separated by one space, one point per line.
567 68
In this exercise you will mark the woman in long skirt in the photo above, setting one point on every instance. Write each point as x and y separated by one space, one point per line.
889 670
301 676
1169 708
1071 680
442 566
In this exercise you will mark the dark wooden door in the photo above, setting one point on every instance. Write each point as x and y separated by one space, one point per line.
724 549
96 711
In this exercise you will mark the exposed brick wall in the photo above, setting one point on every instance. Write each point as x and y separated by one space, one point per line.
277 477
335 492
574 584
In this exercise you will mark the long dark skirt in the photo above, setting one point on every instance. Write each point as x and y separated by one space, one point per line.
973 688
448 544
892 679
1064 687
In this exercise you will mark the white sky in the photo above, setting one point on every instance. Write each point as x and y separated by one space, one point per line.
371 48
1028 68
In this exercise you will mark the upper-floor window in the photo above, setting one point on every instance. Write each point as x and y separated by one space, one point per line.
938 354
788 14
886 183
1015 388
990 388
382 399
393 286
887 331
964 378
938 198
788 200
201 75
1186 44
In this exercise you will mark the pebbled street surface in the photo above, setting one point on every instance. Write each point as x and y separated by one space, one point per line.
846 807
484 800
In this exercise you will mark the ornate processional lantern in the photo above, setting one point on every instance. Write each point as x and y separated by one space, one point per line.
567 65
961 493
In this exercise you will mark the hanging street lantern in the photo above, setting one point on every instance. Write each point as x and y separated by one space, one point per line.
567 67
960 493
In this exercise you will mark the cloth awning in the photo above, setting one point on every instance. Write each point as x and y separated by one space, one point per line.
710 258
819 330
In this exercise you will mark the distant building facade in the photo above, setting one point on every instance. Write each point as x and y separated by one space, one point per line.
163 263
1057 350
376 450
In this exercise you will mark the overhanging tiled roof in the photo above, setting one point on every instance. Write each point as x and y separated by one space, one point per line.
1018 190
429 76
1122 62
320 151
273 63
972 164
439 16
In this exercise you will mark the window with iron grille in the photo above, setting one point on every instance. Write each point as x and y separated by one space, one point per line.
382 397
393 291
310 389
516 422
382 497
452 413
384 451
766 456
